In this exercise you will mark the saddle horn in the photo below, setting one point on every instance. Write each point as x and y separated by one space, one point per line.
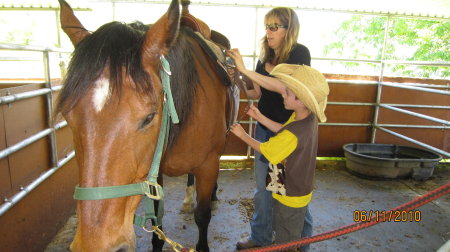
70 23
196 24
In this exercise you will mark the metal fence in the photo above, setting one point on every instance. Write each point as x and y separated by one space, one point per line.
49 132
422 87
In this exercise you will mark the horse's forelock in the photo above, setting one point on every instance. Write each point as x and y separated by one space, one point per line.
114 46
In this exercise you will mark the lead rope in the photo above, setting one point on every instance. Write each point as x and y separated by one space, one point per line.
409 206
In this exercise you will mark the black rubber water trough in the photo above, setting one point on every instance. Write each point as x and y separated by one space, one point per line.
389 161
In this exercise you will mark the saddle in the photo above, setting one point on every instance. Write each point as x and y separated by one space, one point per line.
215 44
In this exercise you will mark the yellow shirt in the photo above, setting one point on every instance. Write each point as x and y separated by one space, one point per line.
277 149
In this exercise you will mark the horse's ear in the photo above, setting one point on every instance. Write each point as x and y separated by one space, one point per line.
70 24
161 35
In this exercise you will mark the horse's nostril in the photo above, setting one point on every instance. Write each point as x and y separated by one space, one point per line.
123 248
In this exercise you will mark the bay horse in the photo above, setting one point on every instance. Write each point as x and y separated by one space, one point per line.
113 99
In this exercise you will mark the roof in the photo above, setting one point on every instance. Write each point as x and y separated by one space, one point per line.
420 8
416 8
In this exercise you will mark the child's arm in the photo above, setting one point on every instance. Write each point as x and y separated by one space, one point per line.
256 114
240 132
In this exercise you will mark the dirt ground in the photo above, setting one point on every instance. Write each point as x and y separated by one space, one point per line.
337 198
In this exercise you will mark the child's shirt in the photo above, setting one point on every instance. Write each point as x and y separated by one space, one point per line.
296 143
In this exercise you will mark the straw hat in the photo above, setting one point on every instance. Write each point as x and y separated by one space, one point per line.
308 85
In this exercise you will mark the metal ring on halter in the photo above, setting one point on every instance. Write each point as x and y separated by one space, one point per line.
162 59
148 231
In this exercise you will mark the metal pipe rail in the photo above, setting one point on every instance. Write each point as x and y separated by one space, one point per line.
414 126
24 143
400 85
26 95
442 152
430 118
393 62
411 86
49 132
406 86
26 190
31 48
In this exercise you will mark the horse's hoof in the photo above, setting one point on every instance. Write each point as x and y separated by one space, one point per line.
187 207
214 204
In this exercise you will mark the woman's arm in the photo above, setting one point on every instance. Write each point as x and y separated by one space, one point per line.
266 82
245 84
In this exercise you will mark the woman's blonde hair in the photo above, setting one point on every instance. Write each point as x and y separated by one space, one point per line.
287 17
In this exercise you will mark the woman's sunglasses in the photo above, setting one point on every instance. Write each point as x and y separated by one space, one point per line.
274 27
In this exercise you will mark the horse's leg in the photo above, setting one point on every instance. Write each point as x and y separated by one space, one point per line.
214 199
188 202
206 178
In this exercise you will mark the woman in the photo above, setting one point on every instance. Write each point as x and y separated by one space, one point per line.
279 45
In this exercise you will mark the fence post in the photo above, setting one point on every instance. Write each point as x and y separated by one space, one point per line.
49 99
380 80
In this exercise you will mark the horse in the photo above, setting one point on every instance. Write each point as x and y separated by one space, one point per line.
113 99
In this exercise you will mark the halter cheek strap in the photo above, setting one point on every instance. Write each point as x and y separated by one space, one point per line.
150 187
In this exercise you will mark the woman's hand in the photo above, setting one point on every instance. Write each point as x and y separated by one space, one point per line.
238 130
254 112
237 58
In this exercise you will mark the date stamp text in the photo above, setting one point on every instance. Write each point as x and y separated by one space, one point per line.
387 216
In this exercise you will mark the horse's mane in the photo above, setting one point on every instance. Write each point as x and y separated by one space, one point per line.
116 45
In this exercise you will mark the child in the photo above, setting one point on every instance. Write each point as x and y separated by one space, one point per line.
304 91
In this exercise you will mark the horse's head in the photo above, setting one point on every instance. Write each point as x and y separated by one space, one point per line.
112 101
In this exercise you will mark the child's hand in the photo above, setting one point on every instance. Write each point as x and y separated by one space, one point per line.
254 112
238 130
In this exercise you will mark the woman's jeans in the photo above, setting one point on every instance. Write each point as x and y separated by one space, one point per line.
261 224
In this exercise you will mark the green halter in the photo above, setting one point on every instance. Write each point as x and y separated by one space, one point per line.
150 187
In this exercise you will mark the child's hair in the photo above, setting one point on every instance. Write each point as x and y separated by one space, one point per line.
289 18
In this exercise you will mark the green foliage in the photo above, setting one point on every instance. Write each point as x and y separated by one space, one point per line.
361 37
14 35
18 37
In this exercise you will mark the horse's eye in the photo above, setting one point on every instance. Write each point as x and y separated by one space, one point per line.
147 120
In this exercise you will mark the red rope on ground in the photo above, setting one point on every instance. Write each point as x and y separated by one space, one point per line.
409 206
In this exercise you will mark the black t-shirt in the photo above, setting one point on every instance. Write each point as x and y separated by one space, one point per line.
270 103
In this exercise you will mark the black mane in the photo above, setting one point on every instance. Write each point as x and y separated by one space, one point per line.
112 46
116 45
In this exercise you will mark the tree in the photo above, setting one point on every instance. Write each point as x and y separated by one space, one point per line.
361 37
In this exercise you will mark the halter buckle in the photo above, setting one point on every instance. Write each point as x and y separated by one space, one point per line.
153 190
